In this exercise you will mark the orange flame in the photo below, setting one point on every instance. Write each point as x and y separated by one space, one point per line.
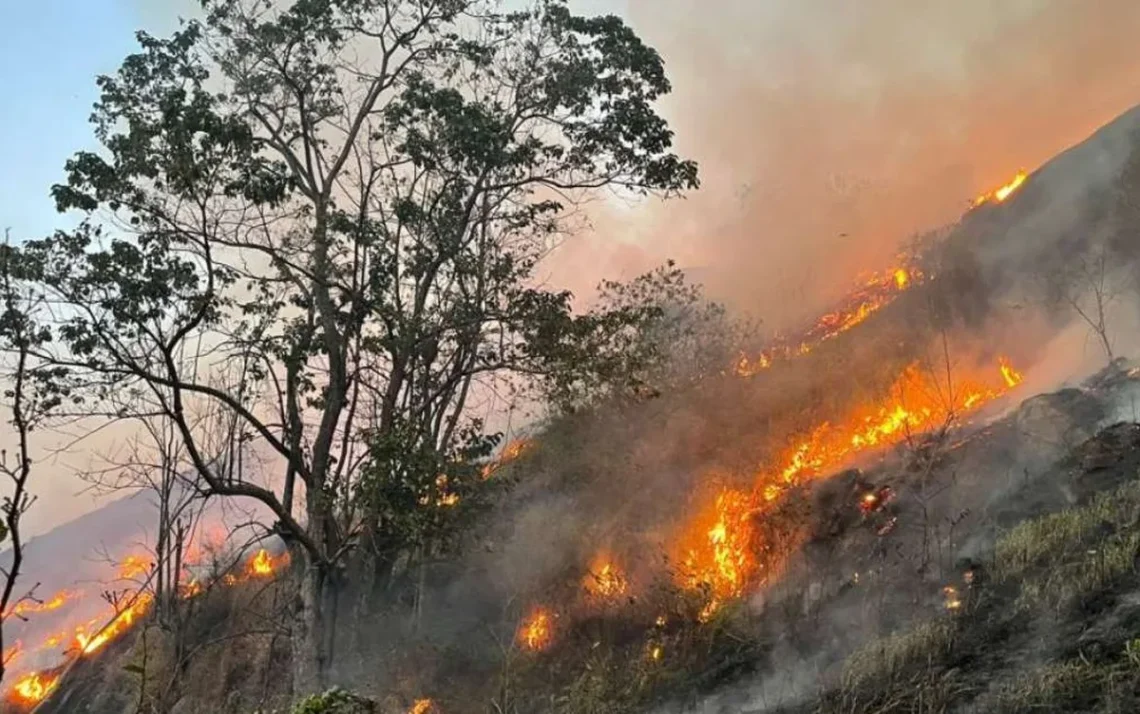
26 607
122 622
264 565
34 687
536 631
1002 193
133 566
510 452
718 548
874 292
605 579
1012 376
423 706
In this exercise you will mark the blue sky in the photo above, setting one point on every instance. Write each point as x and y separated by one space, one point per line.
51 52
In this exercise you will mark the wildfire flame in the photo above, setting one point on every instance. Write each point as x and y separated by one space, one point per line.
536 631
510 452
605 579
34 687
29 606
264 565
423 706
719 547
1011 376
87 643
874 292
133 566
1002 193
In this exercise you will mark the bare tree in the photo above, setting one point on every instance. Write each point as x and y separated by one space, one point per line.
1089 287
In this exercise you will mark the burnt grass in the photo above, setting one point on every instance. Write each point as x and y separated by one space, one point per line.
1013 646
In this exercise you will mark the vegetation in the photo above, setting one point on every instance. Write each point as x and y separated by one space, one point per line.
317 225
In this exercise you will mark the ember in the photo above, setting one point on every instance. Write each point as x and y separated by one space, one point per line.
605 579
536 632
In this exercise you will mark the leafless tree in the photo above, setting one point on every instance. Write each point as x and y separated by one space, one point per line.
1090 286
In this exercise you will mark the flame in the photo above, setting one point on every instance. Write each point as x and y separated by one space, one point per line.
34 687
720 546
510 452
716 550
423 706
1012 376
262 565
12 653
536 631
605 579
952 601
122 622
1001 194
874 292
28 606
133 567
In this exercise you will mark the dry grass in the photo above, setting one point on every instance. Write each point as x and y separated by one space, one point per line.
884 659
1051 537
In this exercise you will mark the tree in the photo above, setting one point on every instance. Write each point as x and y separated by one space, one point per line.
30 393
340 204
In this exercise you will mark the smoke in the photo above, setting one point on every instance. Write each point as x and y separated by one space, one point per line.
828 134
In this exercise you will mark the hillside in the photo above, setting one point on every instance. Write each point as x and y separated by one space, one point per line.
918 505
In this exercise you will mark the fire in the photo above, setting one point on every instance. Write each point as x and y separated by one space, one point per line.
952 601
34 687
874 292
1012 376
1004 192
423 706
12 653
536 632
263 565
718 548
123 621
510 452
605 579
29 606
133 567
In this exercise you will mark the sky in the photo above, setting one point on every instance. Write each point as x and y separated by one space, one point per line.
827 131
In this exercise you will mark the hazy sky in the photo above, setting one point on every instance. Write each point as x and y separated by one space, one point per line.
826 130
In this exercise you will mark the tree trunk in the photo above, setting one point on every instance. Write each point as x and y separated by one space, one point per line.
309 637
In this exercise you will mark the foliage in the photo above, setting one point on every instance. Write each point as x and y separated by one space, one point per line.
315 225
334 701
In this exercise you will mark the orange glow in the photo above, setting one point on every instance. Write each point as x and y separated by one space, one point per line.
27 607
874 292
122 622
1002 193
133 566
264 565
510 452
719 546
12 653
1012 376
423 706
536 631
716 549
605 579
33 688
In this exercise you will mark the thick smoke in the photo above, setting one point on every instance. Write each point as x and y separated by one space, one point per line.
829 133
